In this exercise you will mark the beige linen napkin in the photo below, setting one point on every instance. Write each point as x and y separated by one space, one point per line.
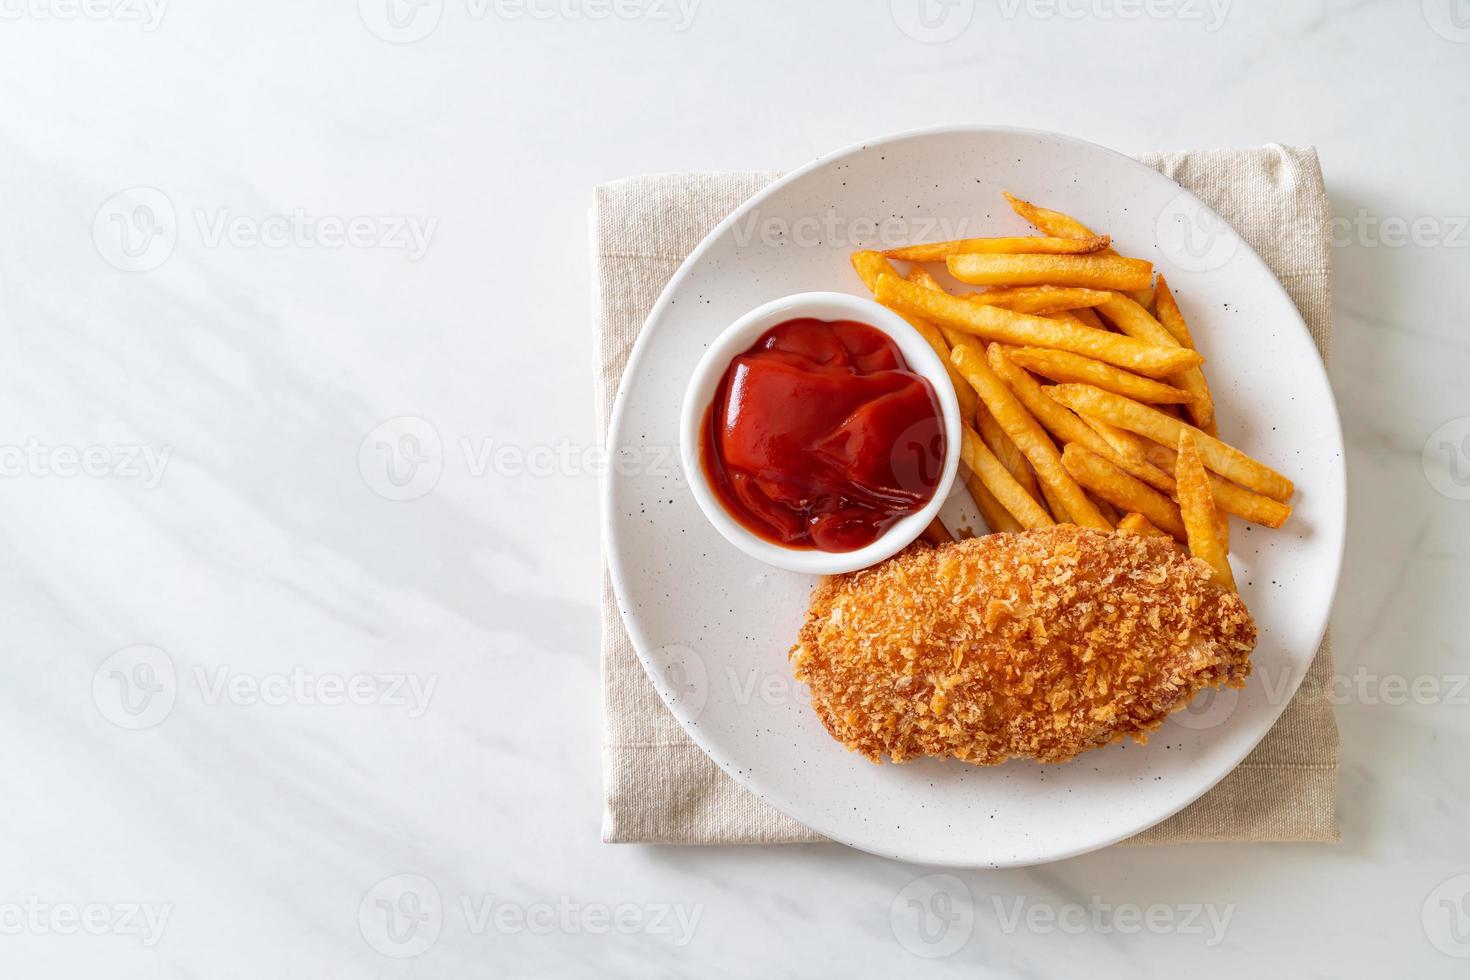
661 788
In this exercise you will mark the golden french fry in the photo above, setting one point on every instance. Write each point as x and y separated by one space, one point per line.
1230 498
1005 450
937 533
1122 490
1055 505
998 480
1060 225
1108 510
1139 524
1169 316
1202 408
1036 300
1136 417
1062 423
1050 222
1089 318
921 275
1097 271
1027 434
1144 297
1066 316
1131 318
995 323
1131 447
1039 300
997 518
939 251
871 265
1061 365
1197 507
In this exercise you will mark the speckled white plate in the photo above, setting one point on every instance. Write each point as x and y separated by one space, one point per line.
713 627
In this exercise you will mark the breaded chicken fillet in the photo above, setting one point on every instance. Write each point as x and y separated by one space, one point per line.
1037 645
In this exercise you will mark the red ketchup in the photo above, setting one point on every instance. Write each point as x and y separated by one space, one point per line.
819 436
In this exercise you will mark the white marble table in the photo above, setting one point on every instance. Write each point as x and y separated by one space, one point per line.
245 686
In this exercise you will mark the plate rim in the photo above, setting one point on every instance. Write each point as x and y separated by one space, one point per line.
613 562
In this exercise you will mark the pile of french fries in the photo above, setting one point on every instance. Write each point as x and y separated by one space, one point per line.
1083 395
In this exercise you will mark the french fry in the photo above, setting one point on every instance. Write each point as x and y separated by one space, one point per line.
1197 507
1202 408
994 323
1132 318
1122 490
1027 434
998 480
1038 300
1061 365
997 518
1032 245
919 274
1108 510
1128 414
1145 297
1062 423
1089 318
937 533
1135 321
1139 524
1054 503
1230 498
1097 271
1005 450
1131 447
1066 316
1060 225
1049 222
871 265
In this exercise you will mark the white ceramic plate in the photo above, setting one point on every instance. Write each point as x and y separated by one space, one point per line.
713 626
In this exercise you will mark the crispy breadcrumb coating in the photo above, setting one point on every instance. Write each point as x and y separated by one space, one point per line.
1036 645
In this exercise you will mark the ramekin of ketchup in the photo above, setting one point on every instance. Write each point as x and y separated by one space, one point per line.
820 433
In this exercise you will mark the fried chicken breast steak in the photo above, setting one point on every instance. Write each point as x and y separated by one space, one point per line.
1036 645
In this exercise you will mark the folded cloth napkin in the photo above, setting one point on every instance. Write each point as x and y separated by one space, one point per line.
661 788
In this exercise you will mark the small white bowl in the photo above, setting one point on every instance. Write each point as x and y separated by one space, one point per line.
738 338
